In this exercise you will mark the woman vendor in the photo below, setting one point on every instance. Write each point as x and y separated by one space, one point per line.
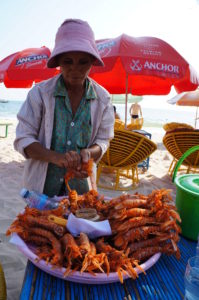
67 119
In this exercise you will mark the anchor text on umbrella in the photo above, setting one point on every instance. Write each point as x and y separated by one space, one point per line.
158 66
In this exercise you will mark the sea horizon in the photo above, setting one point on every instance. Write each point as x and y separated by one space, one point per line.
154 117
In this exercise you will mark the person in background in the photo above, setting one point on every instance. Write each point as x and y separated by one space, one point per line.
67 119
117 116
135 111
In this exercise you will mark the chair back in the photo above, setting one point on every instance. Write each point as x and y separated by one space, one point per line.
128 148
119 124
136 124
174 125
179 141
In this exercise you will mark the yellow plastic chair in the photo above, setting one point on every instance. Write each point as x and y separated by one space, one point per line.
127 149
177 143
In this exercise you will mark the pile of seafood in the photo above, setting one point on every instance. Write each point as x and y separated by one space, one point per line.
141 226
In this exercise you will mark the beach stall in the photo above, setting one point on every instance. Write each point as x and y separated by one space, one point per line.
121 261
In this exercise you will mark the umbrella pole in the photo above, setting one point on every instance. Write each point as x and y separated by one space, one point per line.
126 100
196 118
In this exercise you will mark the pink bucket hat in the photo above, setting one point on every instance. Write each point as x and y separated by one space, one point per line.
74 35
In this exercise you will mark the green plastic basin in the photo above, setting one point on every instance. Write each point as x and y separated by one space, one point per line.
187 199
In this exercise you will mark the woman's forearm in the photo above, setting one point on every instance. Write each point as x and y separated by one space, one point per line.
63 160
38 152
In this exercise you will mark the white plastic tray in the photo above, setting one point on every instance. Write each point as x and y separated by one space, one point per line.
84 277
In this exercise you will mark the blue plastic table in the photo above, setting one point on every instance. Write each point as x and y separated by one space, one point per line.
164 280
144 163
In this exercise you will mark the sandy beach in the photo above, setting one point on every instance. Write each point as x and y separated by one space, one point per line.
11 168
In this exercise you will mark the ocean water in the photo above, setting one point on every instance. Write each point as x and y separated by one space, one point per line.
153 116
157 116
9 109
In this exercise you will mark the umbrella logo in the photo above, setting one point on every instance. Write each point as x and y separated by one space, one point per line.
135 65
30 58
154 66
105 48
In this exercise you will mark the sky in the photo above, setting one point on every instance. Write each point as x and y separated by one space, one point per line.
34 23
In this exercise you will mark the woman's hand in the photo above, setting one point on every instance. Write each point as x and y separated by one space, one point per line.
68 160
85 156
72 160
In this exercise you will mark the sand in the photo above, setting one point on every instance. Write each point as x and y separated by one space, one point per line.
11 169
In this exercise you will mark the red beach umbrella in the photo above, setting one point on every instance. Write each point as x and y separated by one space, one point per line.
21 69
142 66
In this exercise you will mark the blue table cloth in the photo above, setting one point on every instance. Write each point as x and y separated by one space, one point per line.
164 280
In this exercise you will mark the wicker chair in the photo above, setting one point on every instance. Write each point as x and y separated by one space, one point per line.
177 142
136 124
119 124
126 150
175 125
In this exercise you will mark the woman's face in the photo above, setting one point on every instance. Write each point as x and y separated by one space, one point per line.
75 67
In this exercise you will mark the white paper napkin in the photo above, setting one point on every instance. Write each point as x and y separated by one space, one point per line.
92 229
15 239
